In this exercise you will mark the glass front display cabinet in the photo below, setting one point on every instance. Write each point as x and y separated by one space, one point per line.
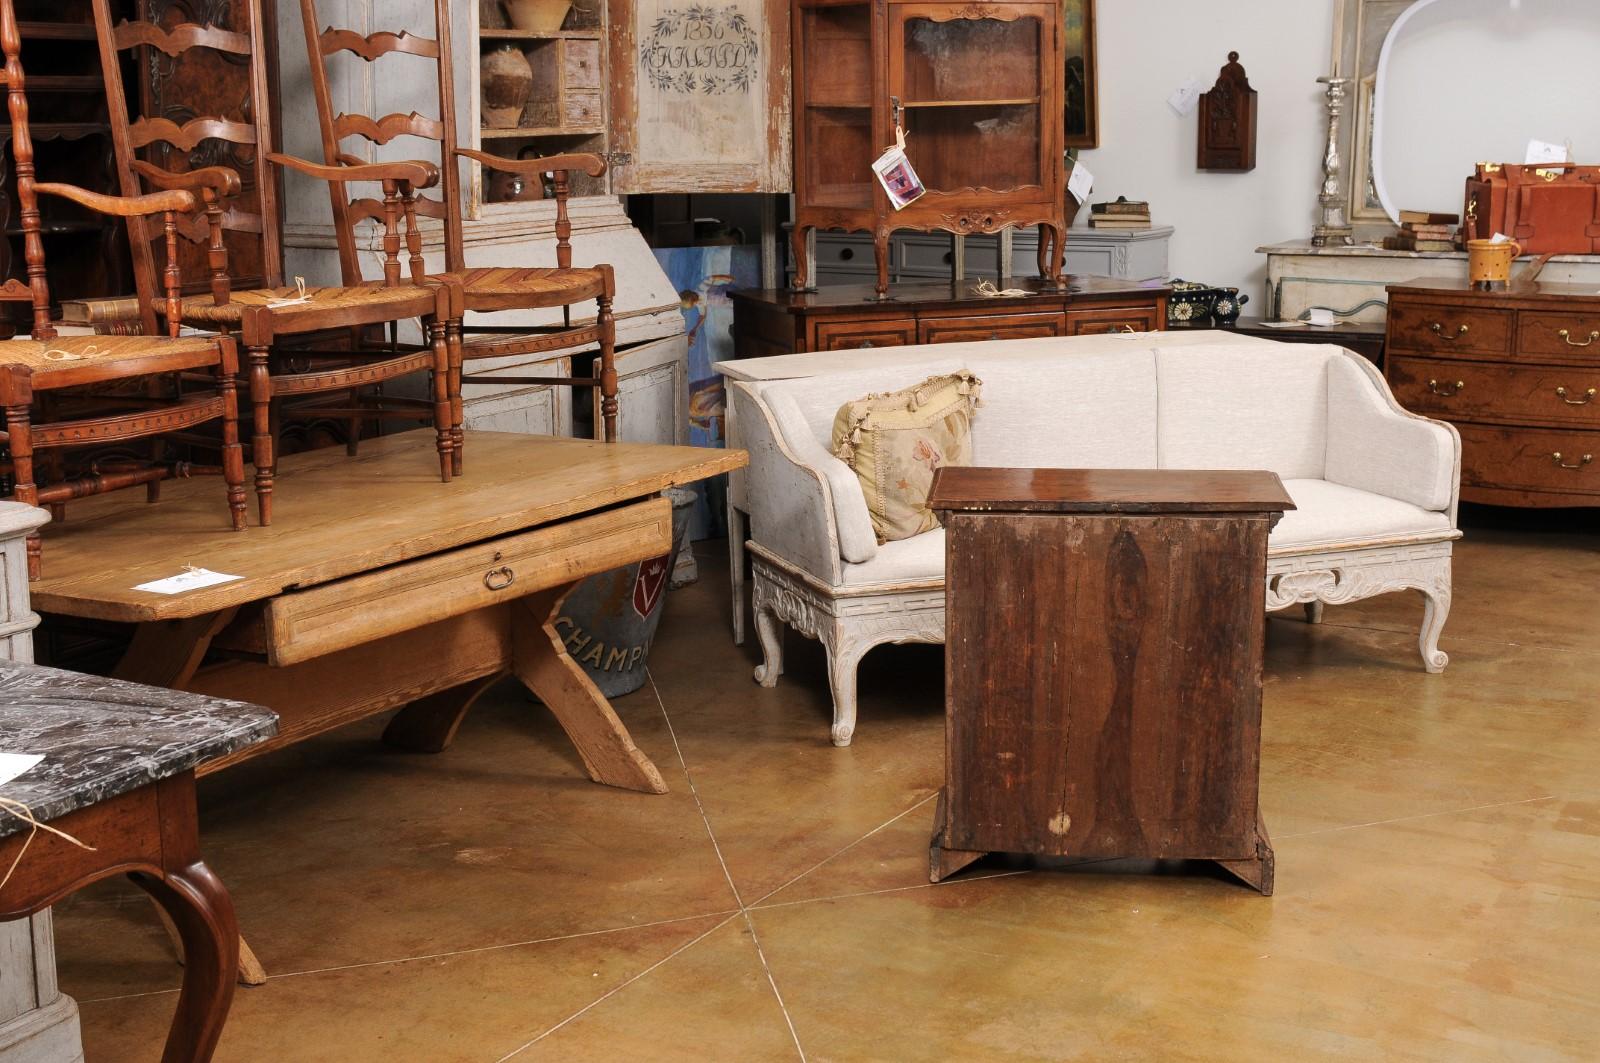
977 89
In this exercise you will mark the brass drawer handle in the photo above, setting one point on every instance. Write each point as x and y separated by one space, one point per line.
1588 396
1586 459
1439 331
1593 335
498 579
1433 386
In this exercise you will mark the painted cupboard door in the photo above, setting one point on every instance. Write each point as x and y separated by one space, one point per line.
699 96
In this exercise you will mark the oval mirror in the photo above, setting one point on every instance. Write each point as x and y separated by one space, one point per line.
1465 81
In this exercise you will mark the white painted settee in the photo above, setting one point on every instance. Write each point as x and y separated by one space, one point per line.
1376 486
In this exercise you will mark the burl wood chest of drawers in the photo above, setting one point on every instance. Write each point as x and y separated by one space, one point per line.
1517 372
847 316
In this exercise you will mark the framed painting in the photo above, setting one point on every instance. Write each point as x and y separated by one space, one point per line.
1082 84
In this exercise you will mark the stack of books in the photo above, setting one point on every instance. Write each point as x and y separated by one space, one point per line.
1123 214
1424 231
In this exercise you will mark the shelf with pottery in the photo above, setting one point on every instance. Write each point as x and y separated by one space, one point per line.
540 66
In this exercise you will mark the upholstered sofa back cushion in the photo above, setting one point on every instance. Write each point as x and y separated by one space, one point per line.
1047 408
1227 407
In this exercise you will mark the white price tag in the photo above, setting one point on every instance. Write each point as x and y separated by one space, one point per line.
1186 97
14 764
1540 151
898 177
1081 183
190 580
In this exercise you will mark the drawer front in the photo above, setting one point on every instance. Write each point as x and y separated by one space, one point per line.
301 625
1451 331
1118 319
1531 459
997 327
844 335
929 257
1565 337
583 109
845 253
1479 391
583 64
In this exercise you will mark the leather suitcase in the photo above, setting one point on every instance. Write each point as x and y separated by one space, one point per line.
1552 209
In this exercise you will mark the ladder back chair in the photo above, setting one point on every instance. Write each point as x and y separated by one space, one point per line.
263 318
485 289
49 362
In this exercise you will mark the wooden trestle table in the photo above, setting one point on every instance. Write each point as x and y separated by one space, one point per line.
378 587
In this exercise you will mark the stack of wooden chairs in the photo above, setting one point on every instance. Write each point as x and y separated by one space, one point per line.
291 352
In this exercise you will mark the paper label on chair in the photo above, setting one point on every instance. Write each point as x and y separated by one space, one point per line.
191 579
14 764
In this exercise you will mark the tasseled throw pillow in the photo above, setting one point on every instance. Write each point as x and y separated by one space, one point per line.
895 441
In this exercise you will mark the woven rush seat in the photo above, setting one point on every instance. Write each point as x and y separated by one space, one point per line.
106 356
404 300
560 286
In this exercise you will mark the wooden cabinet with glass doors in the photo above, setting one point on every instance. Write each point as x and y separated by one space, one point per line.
977 88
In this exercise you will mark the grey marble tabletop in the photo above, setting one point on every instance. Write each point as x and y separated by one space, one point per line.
103 737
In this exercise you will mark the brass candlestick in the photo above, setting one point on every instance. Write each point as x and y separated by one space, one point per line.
1334 228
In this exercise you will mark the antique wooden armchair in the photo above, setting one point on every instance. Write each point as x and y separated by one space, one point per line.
264 317
482 289
50 362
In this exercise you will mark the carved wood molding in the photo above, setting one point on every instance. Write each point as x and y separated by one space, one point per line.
385 129
180 38
377 44
147 131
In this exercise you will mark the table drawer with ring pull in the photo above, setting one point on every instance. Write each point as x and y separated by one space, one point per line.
334 616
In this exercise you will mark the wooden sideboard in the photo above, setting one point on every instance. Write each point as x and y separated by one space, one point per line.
843 317
1517 372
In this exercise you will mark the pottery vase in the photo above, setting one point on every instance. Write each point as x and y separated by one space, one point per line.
538 16
507 79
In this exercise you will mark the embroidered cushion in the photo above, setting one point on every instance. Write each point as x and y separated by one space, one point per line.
894 441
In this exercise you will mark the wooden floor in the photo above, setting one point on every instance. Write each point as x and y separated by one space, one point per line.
1437 837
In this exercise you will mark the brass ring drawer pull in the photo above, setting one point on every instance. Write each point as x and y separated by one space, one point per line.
1588 397
1433 386
1439 331
498 579
1586 459
1566 335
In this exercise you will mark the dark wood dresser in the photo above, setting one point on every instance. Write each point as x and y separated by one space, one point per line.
845 316
1103 656
1517 372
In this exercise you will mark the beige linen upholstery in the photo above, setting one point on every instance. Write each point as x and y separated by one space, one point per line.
1376 486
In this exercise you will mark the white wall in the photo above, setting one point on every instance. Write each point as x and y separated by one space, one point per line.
1532 71
1147 48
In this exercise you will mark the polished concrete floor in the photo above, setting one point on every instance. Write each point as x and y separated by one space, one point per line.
1437 838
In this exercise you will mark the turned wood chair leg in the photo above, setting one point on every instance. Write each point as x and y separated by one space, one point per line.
608 361
453 340
19 437
232 452
261 448
443 415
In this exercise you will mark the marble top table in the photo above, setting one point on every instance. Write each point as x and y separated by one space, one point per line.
103 737
118 777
